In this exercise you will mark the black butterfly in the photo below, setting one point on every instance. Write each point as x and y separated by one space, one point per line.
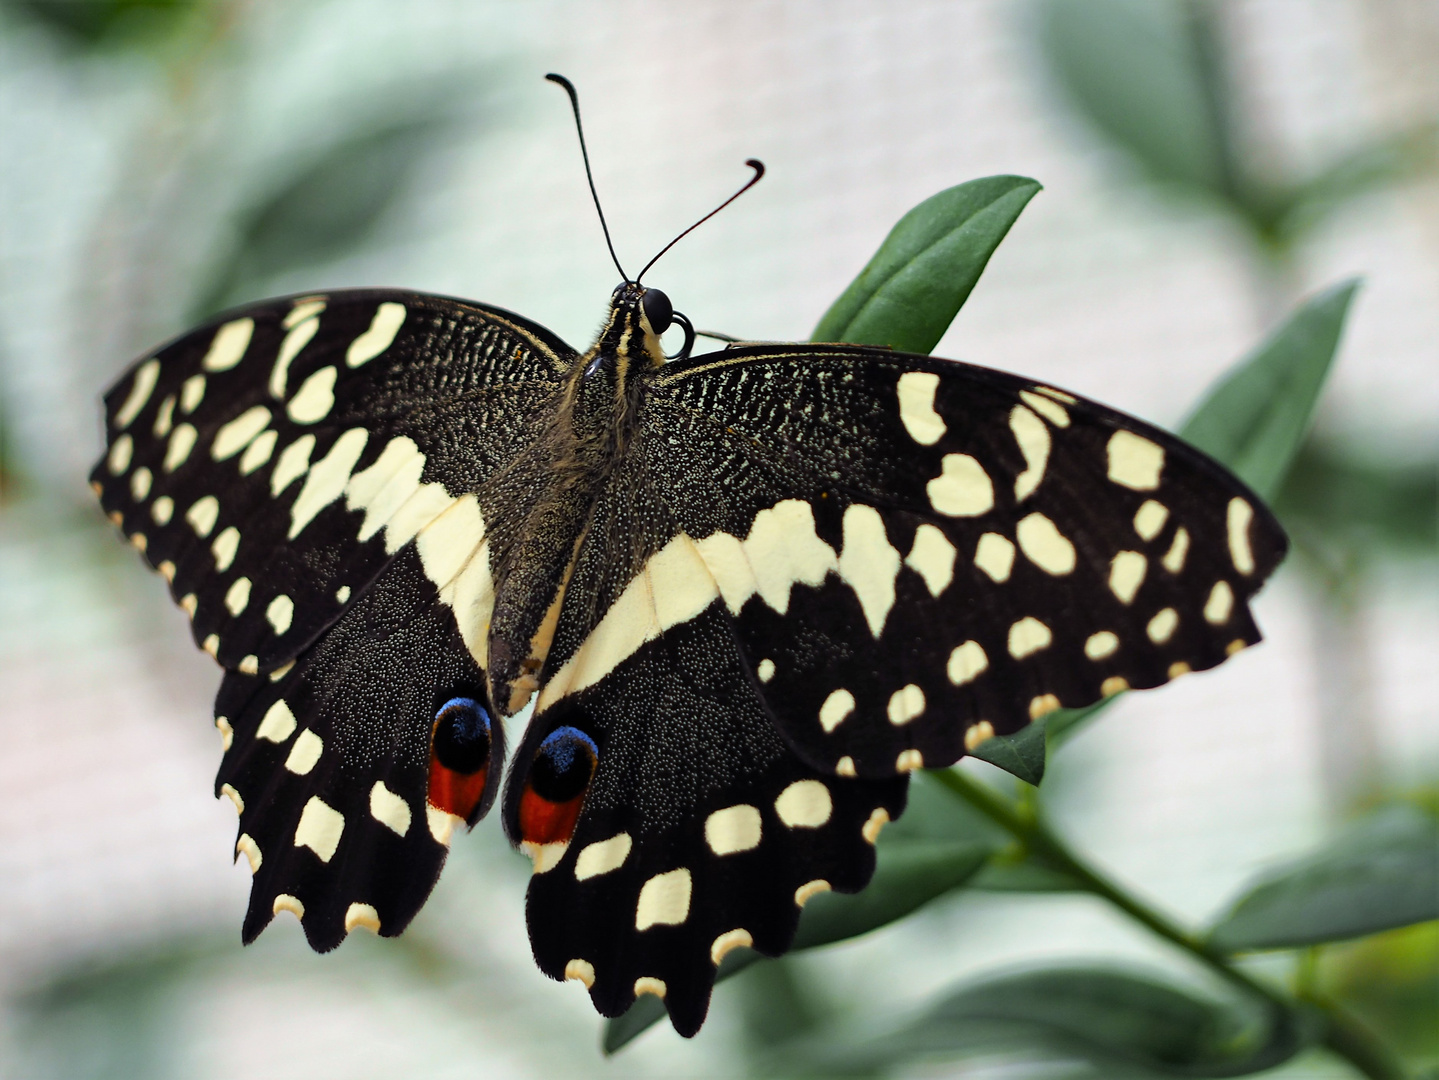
749 591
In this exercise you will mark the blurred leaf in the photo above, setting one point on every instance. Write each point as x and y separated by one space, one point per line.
1122 1024
1138 70
1394 159
776 1004
330 206
96 24
1255 418
1368 505
1380 873
911 290
1020 754
1391 982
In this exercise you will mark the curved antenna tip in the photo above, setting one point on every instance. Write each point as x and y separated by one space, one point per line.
562 81
754 163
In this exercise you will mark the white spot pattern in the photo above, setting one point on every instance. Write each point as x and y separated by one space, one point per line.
280 612
1101 645
966 663
905 704
120 454
258 452
326 480
995 556
225 547
1126 574
315 398
916 407
838 705
298 337
237 597
603 856
389 317
182 441
227 347
146 375
203 514
278 723
1134 461
805 804
733 829
932 558
304 753
962 489
1027 637
389 809
239 432
664 900
1033 439
1220 604
1044 545
1238 518
320 828
1149 519
192 392
869 564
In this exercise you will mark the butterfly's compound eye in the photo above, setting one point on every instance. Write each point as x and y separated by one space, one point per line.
459 757
658 310
555 787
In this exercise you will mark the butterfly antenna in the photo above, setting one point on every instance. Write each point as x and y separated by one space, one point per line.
753 163
584 153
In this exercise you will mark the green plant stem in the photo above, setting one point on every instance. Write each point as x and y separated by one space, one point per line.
1342 1035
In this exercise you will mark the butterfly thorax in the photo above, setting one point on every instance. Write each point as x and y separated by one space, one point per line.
550 491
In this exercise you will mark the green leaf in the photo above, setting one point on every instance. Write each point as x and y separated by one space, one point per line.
1255 418
912 868
1137 70
1391 160
1380 873
1020 754
1122 1024
924 271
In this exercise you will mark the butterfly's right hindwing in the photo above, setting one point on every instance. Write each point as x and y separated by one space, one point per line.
270 464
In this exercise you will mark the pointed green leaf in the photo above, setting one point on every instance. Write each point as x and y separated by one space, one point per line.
924 271
1255 418
1020 754
1380 873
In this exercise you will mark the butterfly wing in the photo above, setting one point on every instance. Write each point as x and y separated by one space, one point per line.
271 463
303 473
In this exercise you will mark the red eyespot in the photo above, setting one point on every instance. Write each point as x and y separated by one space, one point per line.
556 785
459 757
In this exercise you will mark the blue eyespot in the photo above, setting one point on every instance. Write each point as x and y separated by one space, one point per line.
564 764
462 735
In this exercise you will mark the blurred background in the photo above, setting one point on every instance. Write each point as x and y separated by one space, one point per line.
1206 165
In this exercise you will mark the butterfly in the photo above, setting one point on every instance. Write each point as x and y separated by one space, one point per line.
747 591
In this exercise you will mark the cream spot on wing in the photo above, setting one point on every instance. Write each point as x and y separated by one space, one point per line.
603 856
869 564
1240 516
227 347
247 847
361 917
1178 668
838 705
315 398
1044 545
164 417
1161 628
278 723
845 767
192 392
342 594
146 375
905 704
140 484
962 489
1058 395
765 671
1220 604
305 307
296 339
916 407
877 820
286 902
1042 705
237 596
388 808
783 550
1173 560
182 441
203 514
978 733
932 558
733 829
140 541
580 971
162 510
809 890
1126 574
305 753
1027 637
545 857
1101 645
805 804
239 432
727 942
234 796
120 454
1047 407
224 548
386 485
442 825
258 452
1238 645
320 828
1033 439
389 317
648 984
249 664
1134 461
227 732
280 613
724 556
908 761
664 900
294 463
995 556
1115 684
189 603
167 570
1149 519
966 662
326 480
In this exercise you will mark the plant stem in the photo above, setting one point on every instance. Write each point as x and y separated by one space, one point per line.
1342 1035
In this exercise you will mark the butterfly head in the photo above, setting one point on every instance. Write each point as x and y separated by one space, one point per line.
639 315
